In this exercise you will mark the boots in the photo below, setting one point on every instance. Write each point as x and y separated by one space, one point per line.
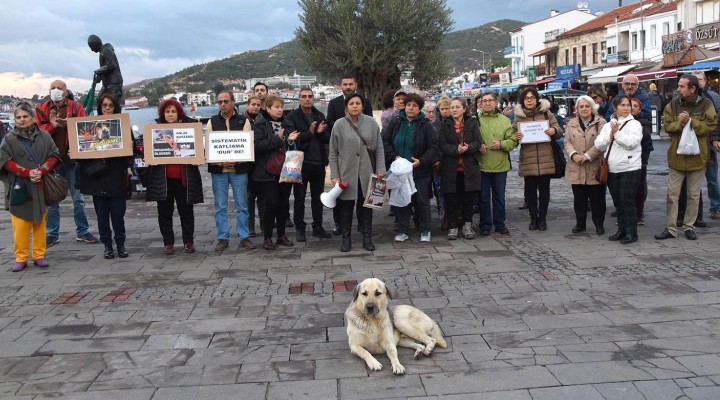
345 218
542 223
366 215
533 222
579 226
109 253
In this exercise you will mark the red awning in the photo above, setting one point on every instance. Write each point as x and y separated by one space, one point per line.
540 82
652 75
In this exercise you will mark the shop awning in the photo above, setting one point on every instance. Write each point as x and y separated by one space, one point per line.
539 82
651 75
701 66
610 74
503 89
559 84
545 51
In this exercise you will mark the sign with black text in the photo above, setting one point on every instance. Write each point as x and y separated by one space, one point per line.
230 146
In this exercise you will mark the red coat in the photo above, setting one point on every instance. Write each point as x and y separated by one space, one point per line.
59 135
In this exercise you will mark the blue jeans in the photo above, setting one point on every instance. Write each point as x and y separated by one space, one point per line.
713 186
53 217
239 183
492 184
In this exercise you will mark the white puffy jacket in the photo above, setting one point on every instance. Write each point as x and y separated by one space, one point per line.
625 153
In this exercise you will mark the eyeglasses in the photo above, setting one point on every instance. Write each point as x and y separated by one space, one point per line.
629 84
223 101
492 101
108 105
530 98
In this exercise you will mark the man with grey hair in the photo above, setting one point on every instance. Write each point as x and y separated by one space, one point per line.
630 87
429 111
711 171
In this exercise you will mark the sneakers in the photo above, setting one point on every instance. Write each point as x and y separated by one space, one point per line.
169 249
502 230
268 244
336 230
641 221
401 237
122 251
247 244
109 253
715 213
283 240
452 234
222 244
467 231
189 248
19 266
41 263
425 237
51 240
87 238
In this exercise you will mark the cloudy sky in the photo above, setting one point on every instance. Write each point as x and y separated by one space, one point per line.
44 40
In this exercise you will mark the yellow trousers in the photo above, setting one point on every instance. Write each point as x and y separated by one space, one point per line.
22 230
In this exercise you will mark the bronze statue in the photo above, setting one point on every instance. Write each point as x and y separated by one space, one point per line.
109 71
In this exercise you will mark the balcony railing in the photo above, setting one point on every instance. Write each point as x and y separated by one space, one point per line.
512 50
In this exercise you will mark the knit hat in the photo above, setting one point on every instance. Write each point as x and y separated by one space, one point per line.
653 87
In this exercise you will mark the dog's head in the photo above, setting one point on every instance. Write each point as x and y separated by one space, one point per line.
102 130
371 296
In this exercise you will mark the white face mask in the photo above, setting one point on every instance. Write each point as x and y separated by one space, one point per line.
57 94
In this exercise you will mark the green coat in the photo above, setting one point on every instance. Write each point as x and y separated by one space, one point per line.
703 121
495 126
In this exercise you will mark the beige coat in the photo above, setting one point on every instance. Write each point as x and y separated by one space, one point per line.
537 159
581 142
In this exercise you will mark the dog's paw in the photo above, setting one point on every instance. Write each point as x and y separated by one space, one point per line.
419 352
398 369
374 365
429 348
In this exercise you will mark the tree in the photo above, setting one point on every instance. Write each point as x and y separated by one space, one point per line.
218 87
375 40
183 99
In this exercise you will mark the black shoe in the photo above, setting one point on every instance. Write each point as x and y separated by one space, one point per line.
578 229
284 241
502 231
542 224
336 230
109 253
629 239
690 234
533 225
700 224
600 230
122 252
617 236
524 206
367 243
346 244
321 233
300 236
392 212
289 223
665 235
486 232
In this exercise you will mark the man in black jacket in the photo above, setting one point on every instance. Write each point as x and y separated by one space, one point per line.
310 123
233 174
336 110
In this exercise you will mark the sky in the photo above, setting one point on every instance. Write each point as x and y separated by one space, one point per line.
46 40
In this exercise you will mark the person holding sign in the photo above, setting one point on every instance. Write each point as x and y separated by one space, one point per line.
269 149
232 174
173 184
105 179
537 163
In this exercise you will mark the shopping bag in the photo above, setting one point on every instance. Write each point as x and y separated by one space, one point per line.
292 167
688 145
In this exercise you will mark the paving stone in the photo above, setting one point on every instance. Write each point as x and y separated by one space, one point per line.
619 391
130 394
579 353
276 371
488 380
213 392
231 356
318 389
544 337
20 348
507 395
596 372
662 368
703 393
580 320
100 345
660 390
340 368
702 364
387 386
675 329
206 326
585 392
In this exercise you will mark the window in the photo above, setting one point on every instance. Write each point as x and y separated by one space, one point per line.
567 57
666 28
643 43
595 53
707 11
634 42
653 36
574 55
584 56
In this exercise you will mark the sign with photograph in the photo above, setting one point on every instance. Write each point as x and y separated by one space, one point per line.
173 144
101 136
534 132
230 146
376 192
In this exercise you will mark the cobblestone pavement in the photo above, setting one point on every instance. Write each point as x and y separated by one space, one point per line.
530 315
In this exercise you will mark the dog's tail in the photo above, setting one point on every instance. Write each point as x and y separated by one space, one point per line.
437 335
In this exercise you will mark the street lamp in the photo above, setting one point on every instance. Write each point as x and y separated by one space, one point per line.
483 58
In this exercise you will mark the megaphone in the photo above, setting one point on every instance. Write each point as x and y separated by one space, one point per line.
330 198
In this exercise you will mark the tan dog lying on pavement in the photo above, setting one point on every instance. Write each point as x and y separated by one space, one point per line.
372 330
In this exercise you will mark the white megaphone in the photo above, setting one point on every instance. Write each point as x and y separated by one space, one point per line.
329 199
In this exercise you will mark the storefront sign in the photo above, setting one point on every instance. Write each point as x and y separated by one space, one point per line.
678 49
505 78
531 74
568 71
708 33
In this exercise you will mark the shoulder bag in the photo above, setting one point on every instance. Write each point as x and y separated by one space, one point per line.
54 186
371 154
603 169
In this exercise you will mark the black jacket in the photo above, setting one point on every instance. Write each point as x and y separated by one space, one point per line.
157 184
425 147
237 122
336 110
448 142
312 145
105 177
266 142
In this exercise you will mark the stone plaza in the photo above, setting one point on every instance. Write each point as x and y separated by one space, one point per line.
530 315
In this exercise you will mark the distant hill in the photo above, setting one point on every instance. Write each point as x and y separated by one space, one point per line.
284 58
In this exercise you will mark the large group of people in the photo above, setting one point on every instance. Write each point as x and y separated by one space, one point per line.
460 158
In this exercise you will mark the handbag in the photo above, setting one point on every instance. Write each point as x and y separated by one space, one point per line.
559 158
292 168
371 154
275 161
54 186
603 169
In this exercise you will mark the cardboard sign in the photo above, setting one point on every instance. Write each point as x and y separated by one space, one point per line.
103 136
173 144
230 146
534 132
